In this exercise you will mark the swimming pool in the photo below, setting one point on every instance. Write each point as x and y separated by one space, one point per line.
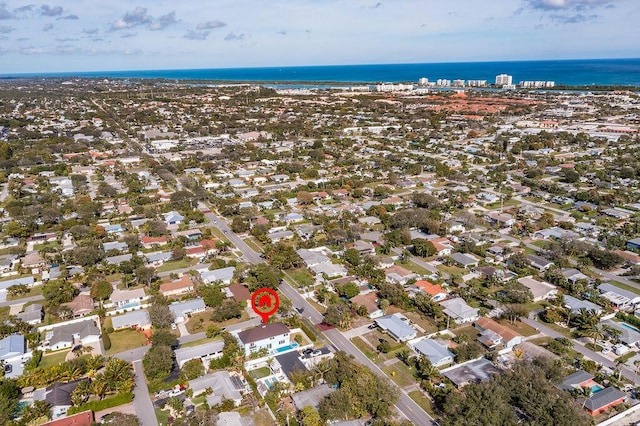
596 388
630 327
270 381
287 348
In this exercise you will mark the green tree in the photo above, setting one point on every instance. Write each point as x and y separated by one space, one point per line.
192 369
263 275
309 416
101 290
348 290
163 336
158 362
160 315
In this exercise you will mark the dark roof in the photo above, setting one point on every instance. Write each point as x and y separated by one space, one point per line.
290 362
60 393
262 332
575 379
603 398
240 292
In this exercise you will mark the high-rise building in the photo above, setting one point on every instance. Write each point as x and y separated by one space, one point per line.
504 80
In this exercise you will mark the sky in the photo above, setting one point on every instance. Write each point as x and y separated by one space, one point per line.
109 35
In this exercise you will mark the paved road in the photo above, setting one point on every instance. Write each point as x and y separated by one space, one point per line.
405 405
22 301
141 401
599 358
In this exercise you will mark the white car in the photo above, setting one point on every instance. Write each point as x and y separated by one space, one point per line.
606 351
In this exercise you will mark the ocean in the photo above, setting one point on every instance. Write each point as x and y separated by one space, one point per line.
585 72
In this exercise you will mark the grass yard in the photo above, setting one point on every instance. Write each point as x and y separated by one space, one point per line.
197 342
543 244
259 373
422 321
163 417
424 402
452 270
125 340
33 291
199 322
562 330
415 268
365 349
625 287
301 277
177 264
396 374
522 328
4 313
253 244
53 358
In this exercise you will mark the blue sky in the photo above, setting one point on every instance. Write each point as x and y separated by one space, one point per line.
90 35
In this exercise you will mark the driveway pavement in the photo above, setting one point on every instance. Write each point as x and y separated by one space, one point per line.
141 400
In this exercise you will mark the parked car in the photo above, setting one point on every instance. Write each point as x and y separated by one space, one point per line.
606 351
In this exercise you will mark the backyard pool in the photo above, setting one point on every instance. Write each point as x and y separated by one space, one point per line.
596 388
630 327
287 348
270 382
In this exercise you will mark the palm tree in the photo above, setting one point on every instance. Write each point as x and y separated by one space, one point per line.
595 331
582 392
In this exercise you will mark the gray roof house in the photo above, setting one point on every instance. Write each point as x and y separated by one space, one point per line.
73 333
135 319
458 310
116 260
628 335
397 326
465 260
12 347
59 396
28 281
205 352
476 371
310 397
602 400
576 304
32 314
173 218
540 263
223 275
437 353
222 385
182 310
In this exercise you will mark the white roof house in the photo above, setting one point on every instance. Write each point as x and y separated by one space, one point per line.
437 353
397 326
458 310
205 352
223 275
135 319
182 310
541 290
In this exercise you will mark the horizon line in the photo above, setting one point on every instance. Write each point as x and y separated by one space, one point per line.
72 73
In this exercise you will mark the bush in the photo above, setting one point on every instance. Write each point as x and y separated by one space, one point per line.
106 341
123 398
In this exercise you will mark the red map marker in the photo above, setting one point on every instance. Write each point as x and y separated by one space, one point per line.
265 302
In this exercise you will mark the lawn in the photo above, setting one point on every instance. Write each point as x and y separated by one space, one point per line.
415 268
400 377
125 340
424 402
176 264
33 291
365 348
522 328
163 417
197 342
428 326
4 313
253 244
625 287
53 358
451 270
199 322
562 330
259 373
302 277
543 244
47 245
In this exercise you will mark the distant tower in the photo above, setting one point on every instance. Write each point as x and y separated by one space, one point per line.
423 81
504 80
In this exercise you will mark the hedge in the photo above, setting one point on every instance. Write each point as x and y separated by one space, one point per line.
114 401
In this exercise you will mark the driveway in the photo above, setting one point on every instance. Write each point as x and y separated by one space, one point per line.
141 401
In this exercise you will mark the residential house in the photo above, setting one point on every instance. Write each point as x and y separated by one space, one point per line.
370 303
576 305
151 242
86 418
81 305
602 400
270 336
436 352
32 314
465 260
177 288
71 333
458 310
539 263
59 396
397 326
364 248
13 351
117 260
311 397
573 275
138 320
476 371
223 385
434 291
222 275
634 244
489 330
239 292
205 352
541 290
500 219
173 218
158 258
628 336
127 299
115 246
399 275
620 299
183 310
